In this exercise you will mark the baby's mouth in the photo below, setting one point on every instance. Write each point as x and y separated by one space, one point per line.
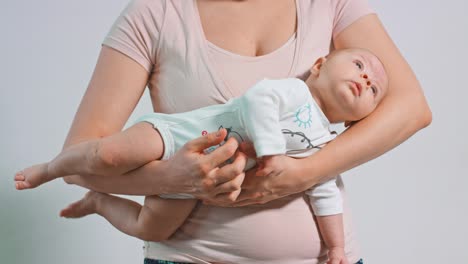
357 88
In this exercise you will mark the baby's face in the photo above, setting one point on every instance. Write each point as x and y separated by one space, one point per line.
356 83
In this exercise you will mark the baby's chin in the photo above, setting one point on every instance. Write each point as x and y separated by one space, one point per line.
351 115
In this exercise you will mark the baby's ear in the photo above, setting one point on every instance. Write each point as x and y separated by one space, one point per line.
315 70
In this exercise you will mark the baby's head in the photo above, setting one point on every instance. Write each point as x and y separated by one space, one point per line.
348 84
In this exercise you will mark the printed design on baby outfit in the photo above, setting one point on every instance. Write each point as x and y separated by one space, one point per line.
301 136
232 133
304 116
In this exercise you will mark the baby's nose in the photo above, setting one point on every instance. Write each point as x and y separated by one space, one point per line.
366 78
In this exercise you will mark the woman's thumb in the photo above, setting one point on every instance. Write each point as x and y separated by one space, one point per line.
206 141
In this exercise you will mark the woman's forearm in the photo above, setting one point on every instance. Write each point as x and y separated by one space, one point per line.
188 171
401 113
390 125
112 94
146 180
136 182
396 119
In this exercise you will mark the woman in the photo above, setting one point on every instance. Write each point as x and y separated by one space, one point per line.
196 53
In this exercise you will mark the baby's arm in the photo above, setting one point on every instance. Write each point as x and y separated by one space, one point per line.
326 202
332 231
156 220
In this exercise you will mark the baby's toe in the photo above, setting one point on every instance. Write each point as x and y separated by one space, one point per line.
21 185
65 212
19 176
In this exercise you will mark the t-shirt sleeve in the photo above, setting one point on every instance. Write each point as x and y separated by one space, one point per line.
325 198
346 12
136 31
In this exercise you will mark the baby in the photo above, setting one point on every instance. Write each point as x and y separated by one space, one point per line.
280 117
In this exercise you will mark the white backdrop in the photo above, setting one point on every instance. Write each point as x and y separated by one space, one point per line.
409 205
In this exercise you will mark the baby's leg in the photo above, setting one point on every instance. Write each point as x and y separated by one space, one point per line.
157 220
113 155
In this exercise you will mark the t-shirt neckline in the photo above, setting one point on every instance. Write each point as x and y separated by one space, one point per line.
204 45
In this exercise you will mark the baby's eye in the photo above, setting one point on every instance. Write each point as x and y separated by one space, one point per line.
374 90
358 64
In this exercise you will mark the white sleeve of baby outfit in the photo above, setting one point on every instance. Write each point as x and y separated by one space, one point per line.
261 108
325 198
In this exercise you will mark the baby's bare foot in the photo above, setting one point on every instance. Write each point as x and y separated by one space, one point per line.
83 207
32 177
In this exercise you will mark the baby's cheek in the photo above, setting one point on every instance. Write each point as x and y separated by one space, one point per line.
344 98
365 110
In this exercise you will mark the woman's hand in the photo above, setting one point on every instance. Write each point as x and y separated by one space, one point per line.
273 177
193 172
277 176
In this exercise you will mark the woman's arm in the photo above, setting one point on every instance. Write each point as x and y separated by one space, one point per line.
116 86
114 90
402 113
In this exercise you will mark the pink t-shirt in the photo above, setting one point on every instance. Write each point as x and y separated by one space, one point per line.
188 72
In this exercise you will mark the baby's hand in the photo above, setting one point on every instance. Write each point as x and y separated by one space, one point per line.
336 255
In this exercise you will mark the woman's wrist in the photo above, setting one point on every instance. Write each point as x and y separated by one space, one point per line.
161 179
308 174
171 180
280 176
290 176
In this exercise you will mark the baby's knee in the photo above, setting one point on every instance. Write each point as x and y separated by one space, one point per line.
150 232
153 226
